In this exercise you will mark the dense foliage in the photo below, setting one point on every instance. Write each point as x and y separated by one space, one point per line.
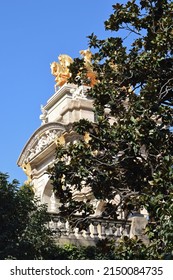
133 156
24 236
23 232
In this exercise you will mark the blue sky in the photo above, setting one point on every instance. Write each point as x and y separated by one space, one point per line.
33 33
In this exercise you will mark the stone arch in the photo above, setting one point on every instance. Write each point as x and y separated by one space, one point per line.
46 194
48 197
42 134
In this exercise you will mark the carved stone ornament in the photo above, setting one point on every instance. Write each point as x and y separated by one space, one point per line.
44 137
80 91
43 141
43 116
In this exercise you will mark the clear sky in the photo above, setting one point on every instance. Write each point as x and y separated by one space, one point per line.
33 33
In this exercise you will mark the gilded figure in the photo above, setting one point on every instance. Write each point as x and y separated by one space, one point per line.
60 70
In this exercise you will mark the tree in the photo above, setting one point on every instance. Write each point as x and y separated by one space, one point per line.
133 156
24 234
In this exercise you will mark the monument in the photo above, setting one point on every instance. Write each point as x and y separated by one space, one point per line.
68 104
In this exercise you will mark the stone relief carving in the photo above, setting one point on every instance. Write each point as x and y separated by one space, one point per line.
80 91
42 142
32 154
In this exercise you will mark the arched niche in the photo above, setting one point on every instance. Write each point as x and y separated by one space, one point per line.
49 198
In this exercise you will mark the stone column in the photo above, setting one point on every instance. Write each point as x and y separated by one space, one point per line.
138 225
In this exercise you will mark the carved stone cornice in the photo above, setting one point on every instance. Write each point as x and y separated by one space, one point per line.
43 137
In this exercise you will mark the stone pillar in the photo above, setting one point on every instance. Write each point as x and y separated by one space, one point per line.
138 224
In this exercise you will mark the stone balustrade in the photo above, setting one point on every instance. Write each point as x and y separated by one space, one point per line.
99 228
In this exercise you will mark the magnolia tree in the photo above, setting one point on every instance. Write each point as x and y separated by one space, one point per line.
130 156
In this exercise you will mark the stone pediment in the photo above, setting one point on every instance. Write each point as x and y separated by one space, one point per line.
41 139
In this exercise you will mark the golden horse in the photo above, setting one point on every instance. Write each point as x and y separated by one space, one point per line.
87 57
60 70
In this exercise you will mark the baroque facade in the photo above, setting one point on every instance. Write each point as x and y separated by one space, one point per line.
67 105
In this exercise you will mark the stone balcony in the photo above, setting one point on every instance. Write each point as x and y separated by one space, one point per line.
99 228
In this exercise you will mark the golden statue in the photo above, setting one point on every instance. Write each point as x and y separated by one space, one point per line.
60 70
87 56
